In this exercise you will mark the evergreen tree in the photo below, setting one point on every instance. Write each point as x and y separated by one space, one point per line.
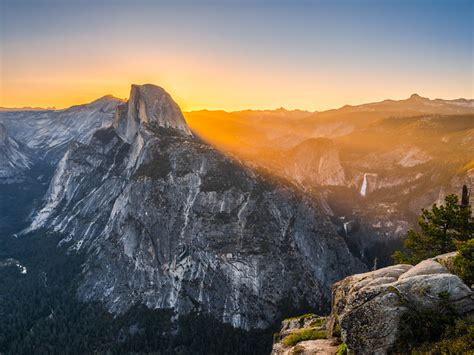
440 229
464 262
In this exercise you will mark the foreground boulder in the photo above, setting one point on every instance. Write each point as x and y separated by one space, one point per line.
368 309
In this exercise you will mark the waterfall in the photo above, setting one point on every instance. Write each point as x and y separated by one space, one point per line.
363 189
346 227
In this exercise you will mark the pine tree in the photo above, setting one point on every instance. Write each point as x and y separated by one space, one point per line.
440 229
464 262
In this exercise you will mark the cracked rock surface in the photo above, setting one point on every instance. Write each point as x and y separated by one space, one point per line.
369 307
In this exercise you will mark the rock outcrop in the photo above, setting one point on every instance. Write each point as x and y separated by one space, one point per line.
47 133
3 134
304 335
13 160
32 142
148 104
368 308
167 221
315 162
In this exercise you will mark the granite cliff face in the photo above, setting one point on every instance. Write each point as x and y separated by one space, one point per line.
47 133
32 142
13 161
315 162
148 104
165 220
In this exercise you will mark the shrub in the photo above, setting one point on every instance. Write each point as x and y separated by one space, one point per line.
336 332
342 349
427 325
318 322
458 339
302 335
464 262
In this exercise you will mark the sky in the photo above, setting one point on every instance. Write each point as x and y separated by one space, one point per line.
233 55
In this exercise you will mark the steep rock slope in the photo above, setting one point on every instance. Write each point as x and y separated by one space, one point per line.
315 162
35 142
13 162
166 220
48 132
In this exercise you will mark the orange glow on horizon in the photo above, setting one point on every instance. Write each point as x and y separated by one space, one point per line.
189 96
203 82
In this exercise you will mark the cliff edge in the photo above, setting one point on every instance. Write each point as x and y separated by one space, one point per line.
388 310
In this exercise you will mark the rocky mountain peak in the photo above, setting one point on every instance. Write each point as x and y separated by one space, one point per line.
106 104
149 104
417 98
106 100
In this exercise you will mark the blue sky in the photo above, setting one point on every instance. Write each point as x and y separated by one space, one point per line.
236 54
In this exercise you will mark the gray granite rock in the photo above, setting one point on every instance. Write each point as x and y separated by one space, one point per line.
167 221
369 307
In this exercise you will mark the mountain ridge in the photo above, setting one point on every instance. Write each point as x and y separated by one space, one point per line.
186 227
413 97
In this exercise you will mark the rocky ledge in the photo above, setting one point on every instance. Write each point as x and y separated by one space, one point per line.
369 310
306 334
374 312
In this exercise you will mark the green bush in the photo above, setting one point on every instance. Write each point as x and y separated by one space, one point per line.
342 349
302 335
336 332
428 325
457 339
318 322
464 262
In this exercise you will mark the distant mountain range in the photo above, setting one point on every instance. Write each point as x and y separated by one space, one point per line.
27 109
375 165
